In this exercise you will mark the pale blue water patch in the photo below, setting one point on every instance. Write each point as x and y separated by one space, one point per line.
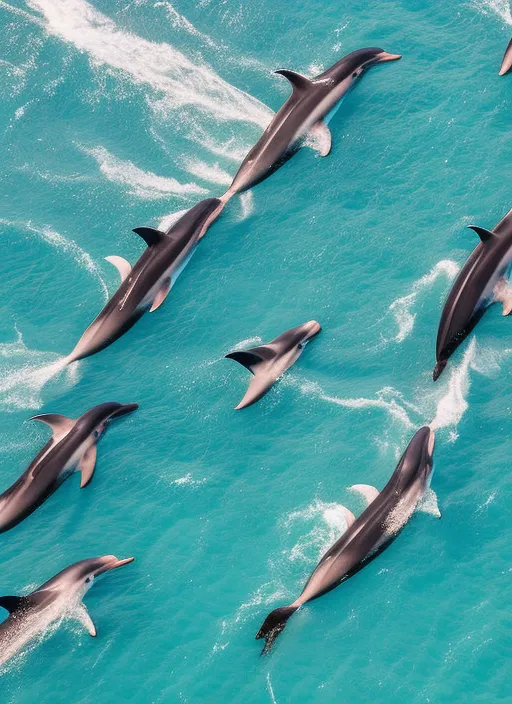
118 114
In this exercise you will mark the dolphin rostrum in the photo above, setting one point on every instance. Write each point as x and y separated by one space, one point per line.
367 536
72 448
60 597
146 285
268 362
481 282
506 64
304 115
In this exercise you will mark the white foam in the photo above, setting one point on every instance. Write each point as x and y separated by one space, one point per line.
401 308
265 595
428 504
189 481
142 184
452 405
21 13
501 8
271 689
170 73
388 398
180 22
247 205
168 221
206 172
329 523
24 373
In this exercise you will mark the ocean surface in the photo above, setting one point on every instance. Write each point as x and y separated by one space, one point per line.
121 113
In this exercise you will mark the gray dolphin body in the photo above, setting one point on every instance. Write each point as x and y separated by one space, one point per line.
30 615
145 286
506 64
367 536
306 112
72 448
480 283
268 362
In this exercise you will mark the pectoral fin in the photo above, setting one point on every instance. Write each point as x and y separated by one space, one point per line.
60 425
87 466
161 295
83 616
503 294
124 268
320 138
349 516
369 493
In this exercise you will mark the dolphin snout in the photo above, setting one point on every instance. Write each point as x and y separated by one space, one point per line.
312 328
110 562
385 56
123 410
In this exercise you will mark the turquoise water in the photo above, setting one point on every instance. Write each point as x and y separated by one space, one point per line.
118 114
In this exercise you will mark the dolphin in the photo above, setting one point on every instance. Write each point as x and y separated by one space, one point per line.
72 448
506 64
305 114
367 536
481 282
31 615
268 362
146 286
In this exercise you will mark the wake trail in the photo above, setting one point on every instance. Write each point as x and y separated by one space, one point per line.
24 373
180 81
501 8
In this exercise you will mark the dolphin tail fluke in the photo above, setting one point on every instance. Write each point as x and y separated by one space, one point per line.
273 625
438 369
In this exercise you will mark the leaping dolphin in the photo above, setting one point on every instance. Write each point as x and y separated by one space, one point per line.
268 362
506 64
481 282
146 285
305 114
370 534
72 448
31 615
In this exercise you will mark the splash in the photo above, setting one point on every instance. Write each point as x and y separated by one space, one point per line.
187 480
168 220
501 8
428 504
388 399
329 523
249 341
247 205
402 308
24 373
452 406
142 184
178 80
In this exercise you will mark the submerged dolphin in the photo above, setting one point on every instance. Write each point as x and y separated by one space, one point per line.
31 615
306 113
269 361
481 282
72 448
367 536
146 286
506 64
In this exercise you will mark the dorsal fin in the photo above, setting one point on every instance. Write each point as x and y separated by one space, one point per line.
252 358
485 235
60 425
300 84
150 235
14 603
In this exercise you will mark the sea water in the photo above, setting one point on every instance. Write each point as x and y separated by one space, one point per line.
121 113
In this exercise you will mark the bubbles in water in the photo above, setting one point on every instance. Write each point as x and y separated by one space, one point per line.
501 8
329 523
452 405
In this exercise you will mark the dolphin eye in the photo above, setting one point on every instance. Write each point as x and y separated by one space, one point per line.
87 580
